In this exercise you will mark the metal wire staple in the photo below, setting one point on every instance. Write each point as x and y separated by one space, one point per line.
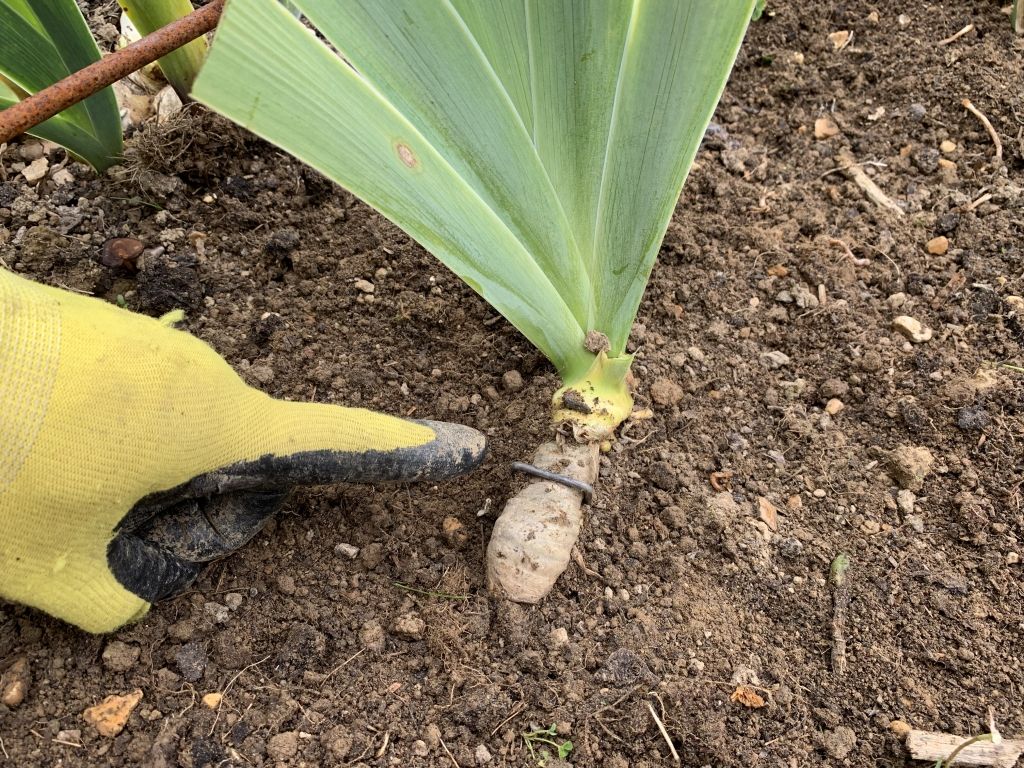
571 482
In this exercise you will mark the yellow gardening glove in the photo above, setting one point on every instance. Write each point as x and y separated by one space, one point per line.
130 452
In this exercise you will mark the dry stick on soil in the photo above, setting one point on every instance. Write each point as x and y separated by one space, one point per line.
933 746
856 174
98 75
975 203
661 725
957 35
840 603
988 126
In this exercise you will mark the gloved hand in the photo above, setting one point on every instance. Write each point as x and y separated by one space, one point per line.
130 453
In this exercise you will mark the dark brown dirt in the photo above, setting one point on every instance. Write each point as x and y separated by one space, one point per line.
329 660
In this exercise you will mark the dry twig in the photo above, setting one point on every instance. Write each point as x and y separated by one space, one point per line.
661 725
988 126
840 604
449 753
856 174
957 35
933 746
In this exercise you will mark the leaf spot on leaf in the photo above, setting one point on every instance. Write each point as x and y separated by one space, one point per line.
406 155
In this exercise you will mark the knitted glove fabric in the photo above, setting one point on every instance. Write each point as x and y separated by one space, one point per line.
131 451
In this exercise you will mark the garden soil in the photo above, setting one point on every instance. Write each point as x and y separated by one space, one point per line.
788 420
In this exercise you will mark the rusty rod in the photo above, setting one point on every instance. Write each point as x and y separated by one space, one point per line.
85 82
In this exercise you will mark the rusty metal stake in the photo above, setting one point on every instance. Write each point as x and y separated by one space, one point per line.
84 83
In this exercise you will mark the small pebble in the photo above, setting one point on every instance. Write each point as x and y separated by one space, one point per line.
62 177
482 755
947 147
834 406
420 748
31 150
558 637
212 700
233 600
912 329
905 501
819 493
16 681
364 286
695 353
825 128
916 523
917 112
790 547
1012 558
110 716
35 170
346 550
973 417
904 21
776 359
937 245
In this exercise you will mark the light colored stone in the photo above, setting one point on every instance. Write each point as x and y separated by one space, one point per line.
365 286
36 170
346 550
110 716
825 128
905 500
834 406
947 147
558 637
776 359
212 700
937 245
1012 558
916 523
62 176
912 329
482 755
840 39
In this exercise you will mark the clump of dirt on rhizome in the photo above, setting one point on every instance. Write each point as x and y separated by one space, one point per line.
357 630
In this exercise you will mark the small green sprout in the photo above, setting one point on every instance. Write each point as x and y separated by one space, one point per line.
993 735
544 736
